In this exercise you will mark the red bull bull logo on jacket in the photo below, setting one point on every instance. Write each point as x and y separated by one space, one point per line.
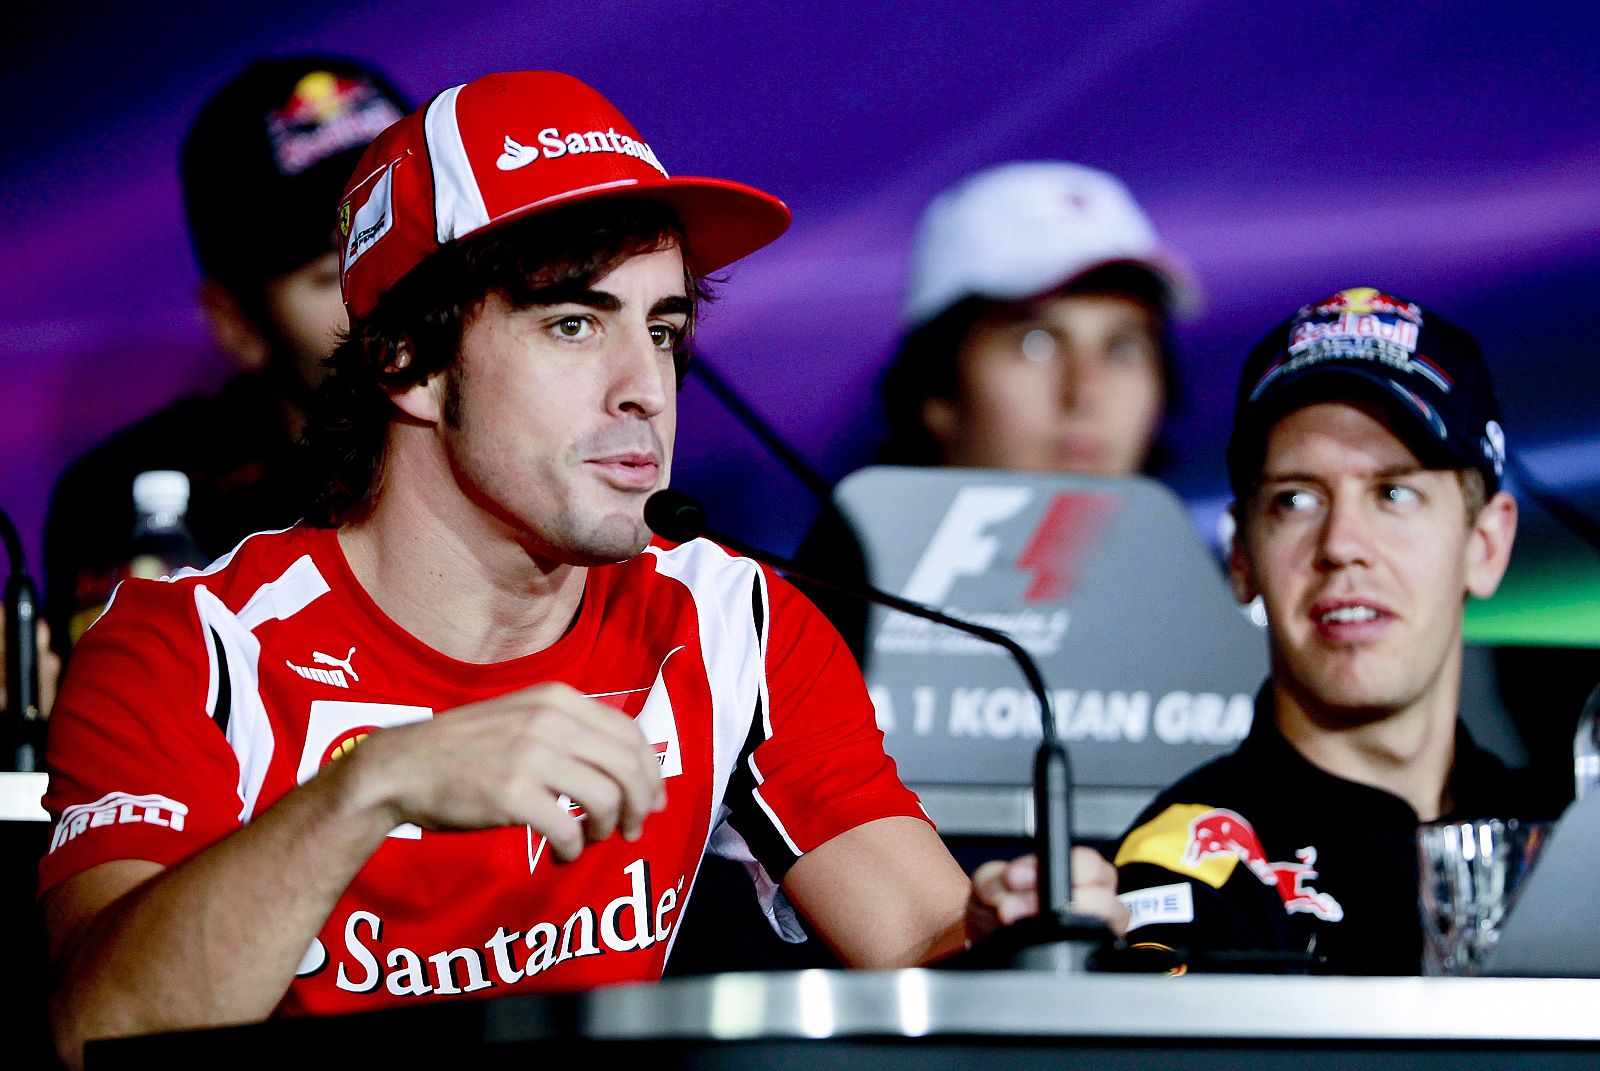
1209 843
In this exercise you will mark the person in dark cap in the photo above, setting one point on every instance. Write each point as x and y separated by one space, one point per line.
262 167
1366 461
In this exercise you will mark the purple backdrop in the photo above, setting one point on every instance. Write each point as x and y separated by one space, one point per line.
1449 156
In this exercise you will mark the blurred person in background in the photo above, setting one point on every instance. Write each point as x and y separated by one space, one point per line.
263 166
1037 312
1036 338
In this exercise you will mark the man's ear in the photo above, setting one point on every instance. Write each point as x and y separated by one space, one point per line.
1489 544
1241 573
234 332
422 401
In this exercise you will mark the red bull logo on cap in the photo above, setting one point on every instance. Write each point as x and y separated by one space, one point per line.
1362 300
1384 327
326 114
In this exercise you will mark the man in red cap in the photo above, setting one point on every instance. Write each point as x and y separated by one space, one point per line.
475 734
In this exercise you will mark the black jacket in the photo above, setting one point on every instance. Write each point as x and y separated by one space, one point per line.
1261 860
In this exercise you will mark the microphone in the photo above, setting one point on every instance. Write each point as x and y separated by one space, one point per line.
23 730
1056 938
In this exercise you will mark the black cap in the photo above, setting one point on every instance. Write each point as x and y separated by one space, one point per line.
266 161
1362 344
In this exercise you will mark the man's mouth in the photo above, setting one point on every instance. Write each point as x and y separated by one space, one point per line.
1350 619
1346 614
629 471
1081 452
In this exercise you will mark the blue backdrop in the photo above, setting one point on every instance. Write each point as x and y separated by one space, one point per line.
1447 154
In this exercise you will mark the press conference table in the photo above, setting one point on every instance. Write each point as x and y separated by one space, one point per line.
927 1020
944 1019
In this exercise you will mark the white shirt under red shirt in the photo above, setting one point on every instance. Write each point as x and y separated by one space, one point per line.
195 703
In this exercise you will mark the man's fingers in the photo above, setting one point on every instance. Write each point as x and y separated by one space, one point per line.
1005 889
1094 889
507 761
596 792
549 817
1022 873
593 726
1091 871
595 715
632 767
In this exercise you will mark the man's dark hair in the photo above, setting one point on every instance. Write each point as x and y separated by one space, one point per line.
425 313
924 365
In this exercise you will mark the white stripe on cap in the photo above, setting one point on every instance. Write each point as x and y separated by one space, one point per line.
458 207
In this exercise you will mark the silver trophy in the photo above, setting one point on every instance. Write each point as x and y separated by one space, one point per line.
1471 871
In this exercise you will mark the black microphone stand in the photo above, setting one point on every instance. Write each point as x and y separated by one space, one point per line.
1057 938
23 728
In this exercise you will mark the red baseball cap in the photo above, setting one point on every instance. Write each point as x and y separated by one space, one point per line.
508 146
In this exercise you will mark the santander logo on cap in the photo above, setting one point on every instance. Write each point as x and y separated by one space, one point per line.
508 146
553 145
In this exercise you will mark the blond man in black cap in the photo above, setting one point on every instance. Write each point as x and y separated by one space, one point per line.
1366 461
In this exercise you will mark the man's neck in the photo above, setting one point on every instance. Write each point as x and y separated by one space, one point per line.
1408 751
462 585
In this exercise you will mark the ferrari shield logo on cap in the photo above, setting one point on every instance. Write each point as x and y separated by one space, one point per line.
372 220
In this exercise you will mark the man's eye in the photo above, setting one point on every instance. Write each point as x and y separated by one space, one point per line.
1399 494
1039 346
572 327
665 336
1293 501
1132 350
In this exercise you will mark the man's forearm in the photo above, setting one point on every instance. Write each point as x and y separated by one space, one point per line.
217 938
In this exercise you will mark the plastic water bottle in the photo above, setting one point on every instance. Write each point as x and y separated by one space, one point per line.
161 543
1586 747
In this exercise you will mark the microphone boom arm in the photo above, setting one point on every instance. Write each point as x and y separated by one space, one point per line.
677 516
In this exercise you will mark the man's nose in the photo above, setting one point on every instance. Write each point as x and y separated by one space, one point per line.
641 375
1346 536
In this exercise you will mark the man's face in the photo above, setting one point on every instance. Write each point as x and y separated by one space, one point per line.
1363 559
559 418
306 313
1071 383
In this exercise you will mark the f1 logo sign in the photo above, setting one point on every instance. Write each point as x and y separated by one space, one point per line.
960 546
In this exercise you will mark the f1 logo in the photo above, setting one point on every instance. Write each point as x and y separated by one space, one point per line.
960 546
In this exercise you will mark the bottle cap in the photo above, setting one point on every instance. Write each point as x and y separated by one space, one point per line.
161 491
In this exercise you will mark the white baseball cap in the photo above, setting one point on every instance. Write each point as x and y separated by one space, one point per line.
1023 229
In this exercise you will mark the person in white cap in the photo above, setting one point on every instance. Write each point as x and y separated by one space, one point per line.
474 734
1036 339
1036 316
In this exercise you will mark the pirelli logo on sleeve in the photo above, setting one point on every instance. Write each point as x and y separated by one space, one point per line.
115 809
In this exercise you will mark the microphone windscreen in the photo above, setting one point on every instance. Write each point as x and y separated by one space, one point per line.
675 515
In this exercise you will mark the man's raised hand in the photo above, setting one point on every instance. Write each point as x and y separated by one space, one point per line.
510 761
